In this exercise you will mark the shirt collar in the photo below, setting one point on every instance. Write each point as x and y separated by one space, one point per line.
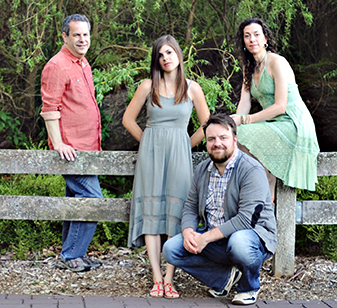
74 59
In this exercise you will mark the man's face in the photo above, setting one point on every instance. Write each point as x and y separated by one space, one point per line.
221 143
78 41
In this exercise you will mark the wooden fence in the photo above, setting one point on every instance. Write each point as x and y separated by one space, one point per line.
288 211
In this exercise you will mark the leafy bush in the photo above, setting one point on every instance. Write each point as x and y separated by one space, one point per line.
10 127
116 186
32 185
23 236
110 234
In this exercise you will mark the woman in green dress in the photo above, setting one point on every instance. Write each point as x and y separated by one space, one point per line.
282 135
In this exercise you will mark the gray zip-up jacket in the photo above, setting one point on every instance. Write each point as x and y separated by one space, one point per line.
247 203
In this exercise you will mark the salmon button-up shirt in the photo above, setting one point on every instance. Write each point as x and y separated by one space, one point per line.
68 94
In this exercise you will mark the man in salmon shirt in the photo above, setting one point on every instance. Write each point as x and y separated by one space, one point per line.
73 123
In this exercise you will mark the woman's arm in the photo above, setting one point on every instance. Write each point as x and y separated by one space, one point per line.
244 105
134 108
200 105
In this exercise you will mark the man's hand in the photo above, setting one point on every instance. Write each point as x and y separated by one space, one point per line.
200 239
195 242
189 242
65 151
54 133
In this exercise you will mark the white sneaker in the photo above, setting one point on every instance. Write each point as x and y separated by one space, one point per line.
245 298
233 279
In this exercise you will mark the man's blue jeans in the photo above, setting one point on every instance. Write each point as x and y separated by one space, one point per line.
77 235
212 266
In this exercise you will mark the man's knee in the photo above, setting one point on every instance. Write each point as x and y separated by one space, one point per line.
167 251
243 246
172 247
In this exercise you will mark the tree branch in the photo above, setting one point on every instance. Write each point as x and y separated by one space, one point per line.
190 22
170 17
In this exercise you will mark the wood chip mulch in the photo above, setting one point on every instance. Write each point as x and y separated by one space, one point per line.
127 272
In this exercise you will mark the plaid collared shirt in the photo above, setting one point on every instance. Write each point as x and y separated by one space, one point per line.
216 193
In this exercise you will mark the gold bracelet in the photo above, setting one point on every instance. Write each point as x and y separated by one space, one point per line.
242 119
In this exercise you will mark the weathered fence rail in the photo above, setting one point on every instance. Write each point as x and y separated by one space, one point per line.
122 163
116 163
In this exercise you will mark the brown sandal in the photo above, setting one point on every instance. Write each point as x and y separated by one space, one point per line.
157 288
169 292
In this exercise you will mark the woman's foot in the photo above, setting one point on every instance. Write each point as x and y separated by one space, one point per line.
170 291
157 290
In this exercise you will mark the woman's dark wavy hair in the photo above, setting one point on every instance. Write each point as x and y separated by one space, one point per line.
246 58
157 73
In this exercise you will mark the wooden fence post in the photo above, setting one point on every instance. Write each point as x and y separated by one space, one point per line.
285 212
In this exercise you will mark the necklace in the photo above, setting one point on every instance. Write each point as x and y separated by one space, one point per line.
257 66
171 93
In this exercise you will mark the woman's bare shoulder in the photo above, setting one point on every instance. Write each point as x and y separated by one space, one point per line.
277 60
146 84
193 86
280 67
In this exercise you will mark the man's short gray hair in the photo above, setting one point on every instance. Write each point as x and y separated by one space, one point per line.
74 17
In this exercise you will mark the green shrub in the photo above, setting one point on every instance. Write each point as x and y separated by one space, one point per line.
24 236
116 186
32 185
10 127
110 234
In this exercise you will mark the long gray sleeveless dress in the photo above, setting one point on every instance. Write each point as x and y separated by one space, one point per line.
163 174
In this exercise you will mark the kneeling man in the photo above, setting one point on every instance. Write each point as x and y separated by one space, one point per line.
228 223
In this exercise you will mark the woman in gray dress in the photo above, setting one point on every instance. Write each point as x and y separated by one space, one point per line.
164 166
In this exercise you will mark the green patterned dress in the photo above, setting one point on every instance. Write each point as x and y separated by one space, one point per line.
287 144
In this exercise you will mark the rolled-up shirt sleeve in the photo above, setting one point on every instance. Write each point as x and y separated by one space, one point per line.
50 115
53 84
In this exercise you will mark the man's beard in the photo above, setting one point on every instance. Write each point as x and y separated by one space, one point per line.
221 159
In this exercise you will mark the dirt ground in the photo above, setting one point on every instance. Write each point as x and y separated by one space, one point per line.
127 272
